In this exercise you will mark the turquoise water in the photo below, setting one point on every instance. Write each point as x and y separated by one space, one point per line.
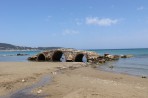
137 65
136 52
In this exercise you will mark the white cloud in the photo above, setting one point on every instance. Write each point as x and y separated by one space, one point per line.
70 32
101 21
140 8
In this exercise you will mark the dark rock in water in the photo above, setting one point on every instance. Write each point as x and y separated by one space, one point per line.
116 57
33 58
123 56
109 57
106 54
21 54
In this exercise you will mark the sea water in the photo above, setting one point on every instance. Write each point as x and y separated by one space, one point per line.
11 56
137 65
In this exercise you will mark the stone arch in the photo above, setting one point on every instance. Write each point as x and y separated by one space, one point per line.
57 56
79 58
41 57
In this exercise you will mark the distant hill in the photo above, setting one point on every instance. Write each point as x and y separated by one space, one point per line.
5 46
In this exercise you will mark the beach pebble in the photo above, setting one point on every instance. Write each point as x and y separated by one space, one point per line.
39 91
23 80
54 73
63 67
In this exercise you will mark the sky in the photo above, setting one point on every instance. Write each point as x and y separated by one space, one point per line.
80 24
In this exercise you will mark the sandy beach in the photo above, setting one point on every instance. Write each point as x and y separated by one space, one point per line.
69 80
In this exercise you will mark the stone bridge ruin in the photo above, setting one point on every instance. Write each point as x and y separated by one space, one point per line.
64 55
73 55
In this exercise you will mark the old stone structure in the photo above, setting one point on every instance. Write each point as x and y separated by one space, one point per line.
65 55
73 55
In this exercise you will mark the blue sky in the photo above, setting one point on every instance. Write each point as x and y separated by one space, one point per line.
81 24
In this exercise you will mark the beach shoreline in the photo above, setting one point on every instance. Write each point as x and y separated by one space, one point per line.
70 80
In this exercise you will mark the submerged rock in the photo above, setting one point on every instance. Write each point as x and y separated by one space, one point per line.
21 54
33 58
126 56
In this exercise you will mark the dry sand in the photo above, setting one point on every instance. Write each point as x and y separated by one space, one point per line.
70 80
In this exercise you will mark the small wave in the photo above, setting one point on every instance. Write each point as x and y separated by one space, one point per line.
8 55
142 56
133 68
136 64
19 54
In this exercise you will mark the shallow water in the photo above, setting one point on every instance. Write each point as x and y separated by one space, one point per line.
11 56
137 65
120 67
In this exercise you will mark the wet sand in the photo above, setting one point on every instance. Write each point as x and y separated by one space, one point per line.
68 80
